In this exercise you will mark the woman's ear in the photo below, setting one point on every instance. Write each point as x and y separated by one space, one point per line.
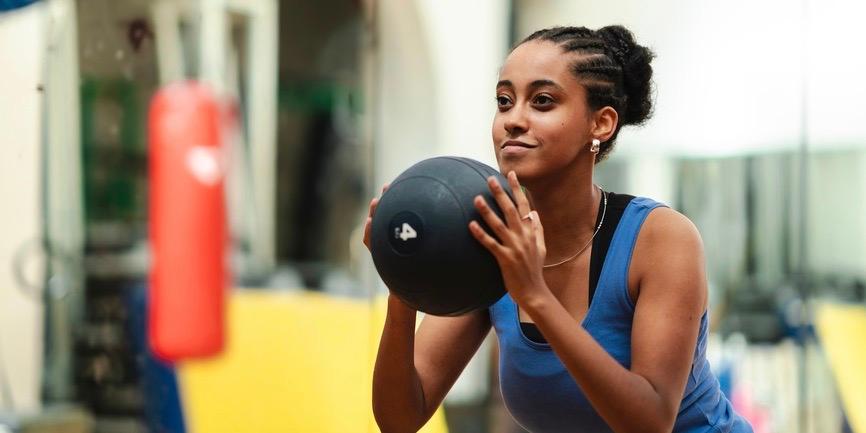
605 123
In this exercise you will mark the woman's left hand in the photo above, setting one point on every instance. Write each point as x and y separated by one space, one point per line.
520 250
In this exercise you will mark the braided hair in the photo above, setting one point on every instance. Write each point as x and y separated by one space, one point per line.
613 68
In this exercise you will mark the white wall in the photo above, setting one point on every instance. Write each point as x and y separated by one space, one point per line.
404 91
730 75
468 43
439 62
836 67
23 52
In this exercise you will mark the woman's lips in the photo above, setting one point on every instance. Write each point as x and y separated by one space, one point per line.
515 147
516 143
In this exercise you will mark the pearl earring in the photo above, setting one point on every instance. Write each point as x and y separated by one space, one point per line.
595 145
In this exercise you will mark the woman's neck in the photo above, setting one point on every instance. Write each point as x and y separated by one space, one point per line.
568 208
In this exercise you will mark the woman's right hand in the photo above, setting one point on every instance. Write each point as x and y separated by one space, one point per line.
369 223
395 304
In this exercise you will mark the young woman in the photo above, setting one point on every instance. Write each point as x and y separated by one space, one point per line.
604 326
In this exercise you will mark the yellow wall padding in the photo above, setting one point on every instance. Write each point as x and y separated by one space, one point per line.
294 362
842 329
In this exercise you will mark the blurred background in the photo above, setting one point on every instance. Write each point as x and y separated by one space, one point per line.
759 137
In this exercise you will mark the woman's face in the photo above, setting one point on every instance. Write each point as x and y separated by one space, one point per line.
542 123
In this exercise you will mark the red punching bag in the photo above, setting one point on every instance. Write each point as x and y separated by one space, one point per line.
187 223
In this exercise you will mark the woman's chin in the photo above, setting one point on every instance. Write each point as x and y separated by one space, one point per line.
508 164
523 170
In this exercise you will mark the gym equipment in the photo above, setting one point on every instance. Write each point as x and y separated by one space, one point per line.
188 229
842 333
297 386
421 243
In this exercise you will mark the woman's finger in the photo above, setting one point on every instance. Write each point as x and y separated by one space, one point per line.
512 218
373 204
485 239
493 221
539 234
368 224
367 228
523 207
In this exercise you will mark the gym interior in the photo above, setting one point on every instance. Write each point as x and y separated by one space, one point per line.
758 137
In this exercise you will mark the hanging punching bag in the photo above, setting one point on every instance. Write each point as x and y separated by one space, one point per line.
187 223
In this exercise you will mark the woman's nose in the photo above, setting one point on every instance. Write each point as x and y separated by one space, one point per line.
515 121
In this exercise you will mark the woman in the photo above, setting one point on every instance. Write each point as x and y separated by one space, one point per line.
604 326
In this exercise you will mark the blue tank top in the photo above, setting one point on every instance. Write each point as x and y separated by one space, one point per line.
540 393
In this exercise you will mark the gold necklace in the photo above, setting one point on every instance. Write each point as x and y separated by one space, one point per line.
603 212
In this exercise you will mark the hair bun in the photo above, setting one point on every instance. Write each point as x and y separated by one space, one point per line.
636 71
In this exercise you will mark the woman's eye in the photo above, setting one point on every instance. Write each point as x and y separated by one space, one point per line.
503 101
543 100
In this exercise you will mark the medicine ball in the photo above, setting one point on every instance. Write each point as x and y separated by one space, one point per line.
421 243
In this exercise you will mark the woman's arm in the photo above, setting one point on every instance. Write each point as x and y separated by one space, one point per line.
672 299
415 370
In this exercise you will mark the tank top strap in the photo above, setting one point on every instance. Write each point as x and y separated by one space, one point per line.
614 273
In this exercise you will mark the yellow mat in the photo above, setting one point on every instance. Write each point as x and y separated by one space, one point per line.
298 362
842 330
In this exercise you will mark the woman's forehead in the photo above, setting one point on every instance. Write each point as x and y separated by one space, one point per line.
537 60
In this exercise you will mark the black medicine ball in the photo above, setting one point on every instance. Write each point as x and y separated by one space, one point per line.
421 243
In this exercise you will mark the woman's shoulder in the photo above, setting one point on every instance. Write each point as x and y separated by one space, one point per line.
665 227
662 222
668 250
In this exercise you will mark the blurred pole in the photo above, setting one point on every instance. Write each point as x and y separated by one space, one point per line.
169 53
802 280
213 44
370 88
261 119
370 82
62 199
